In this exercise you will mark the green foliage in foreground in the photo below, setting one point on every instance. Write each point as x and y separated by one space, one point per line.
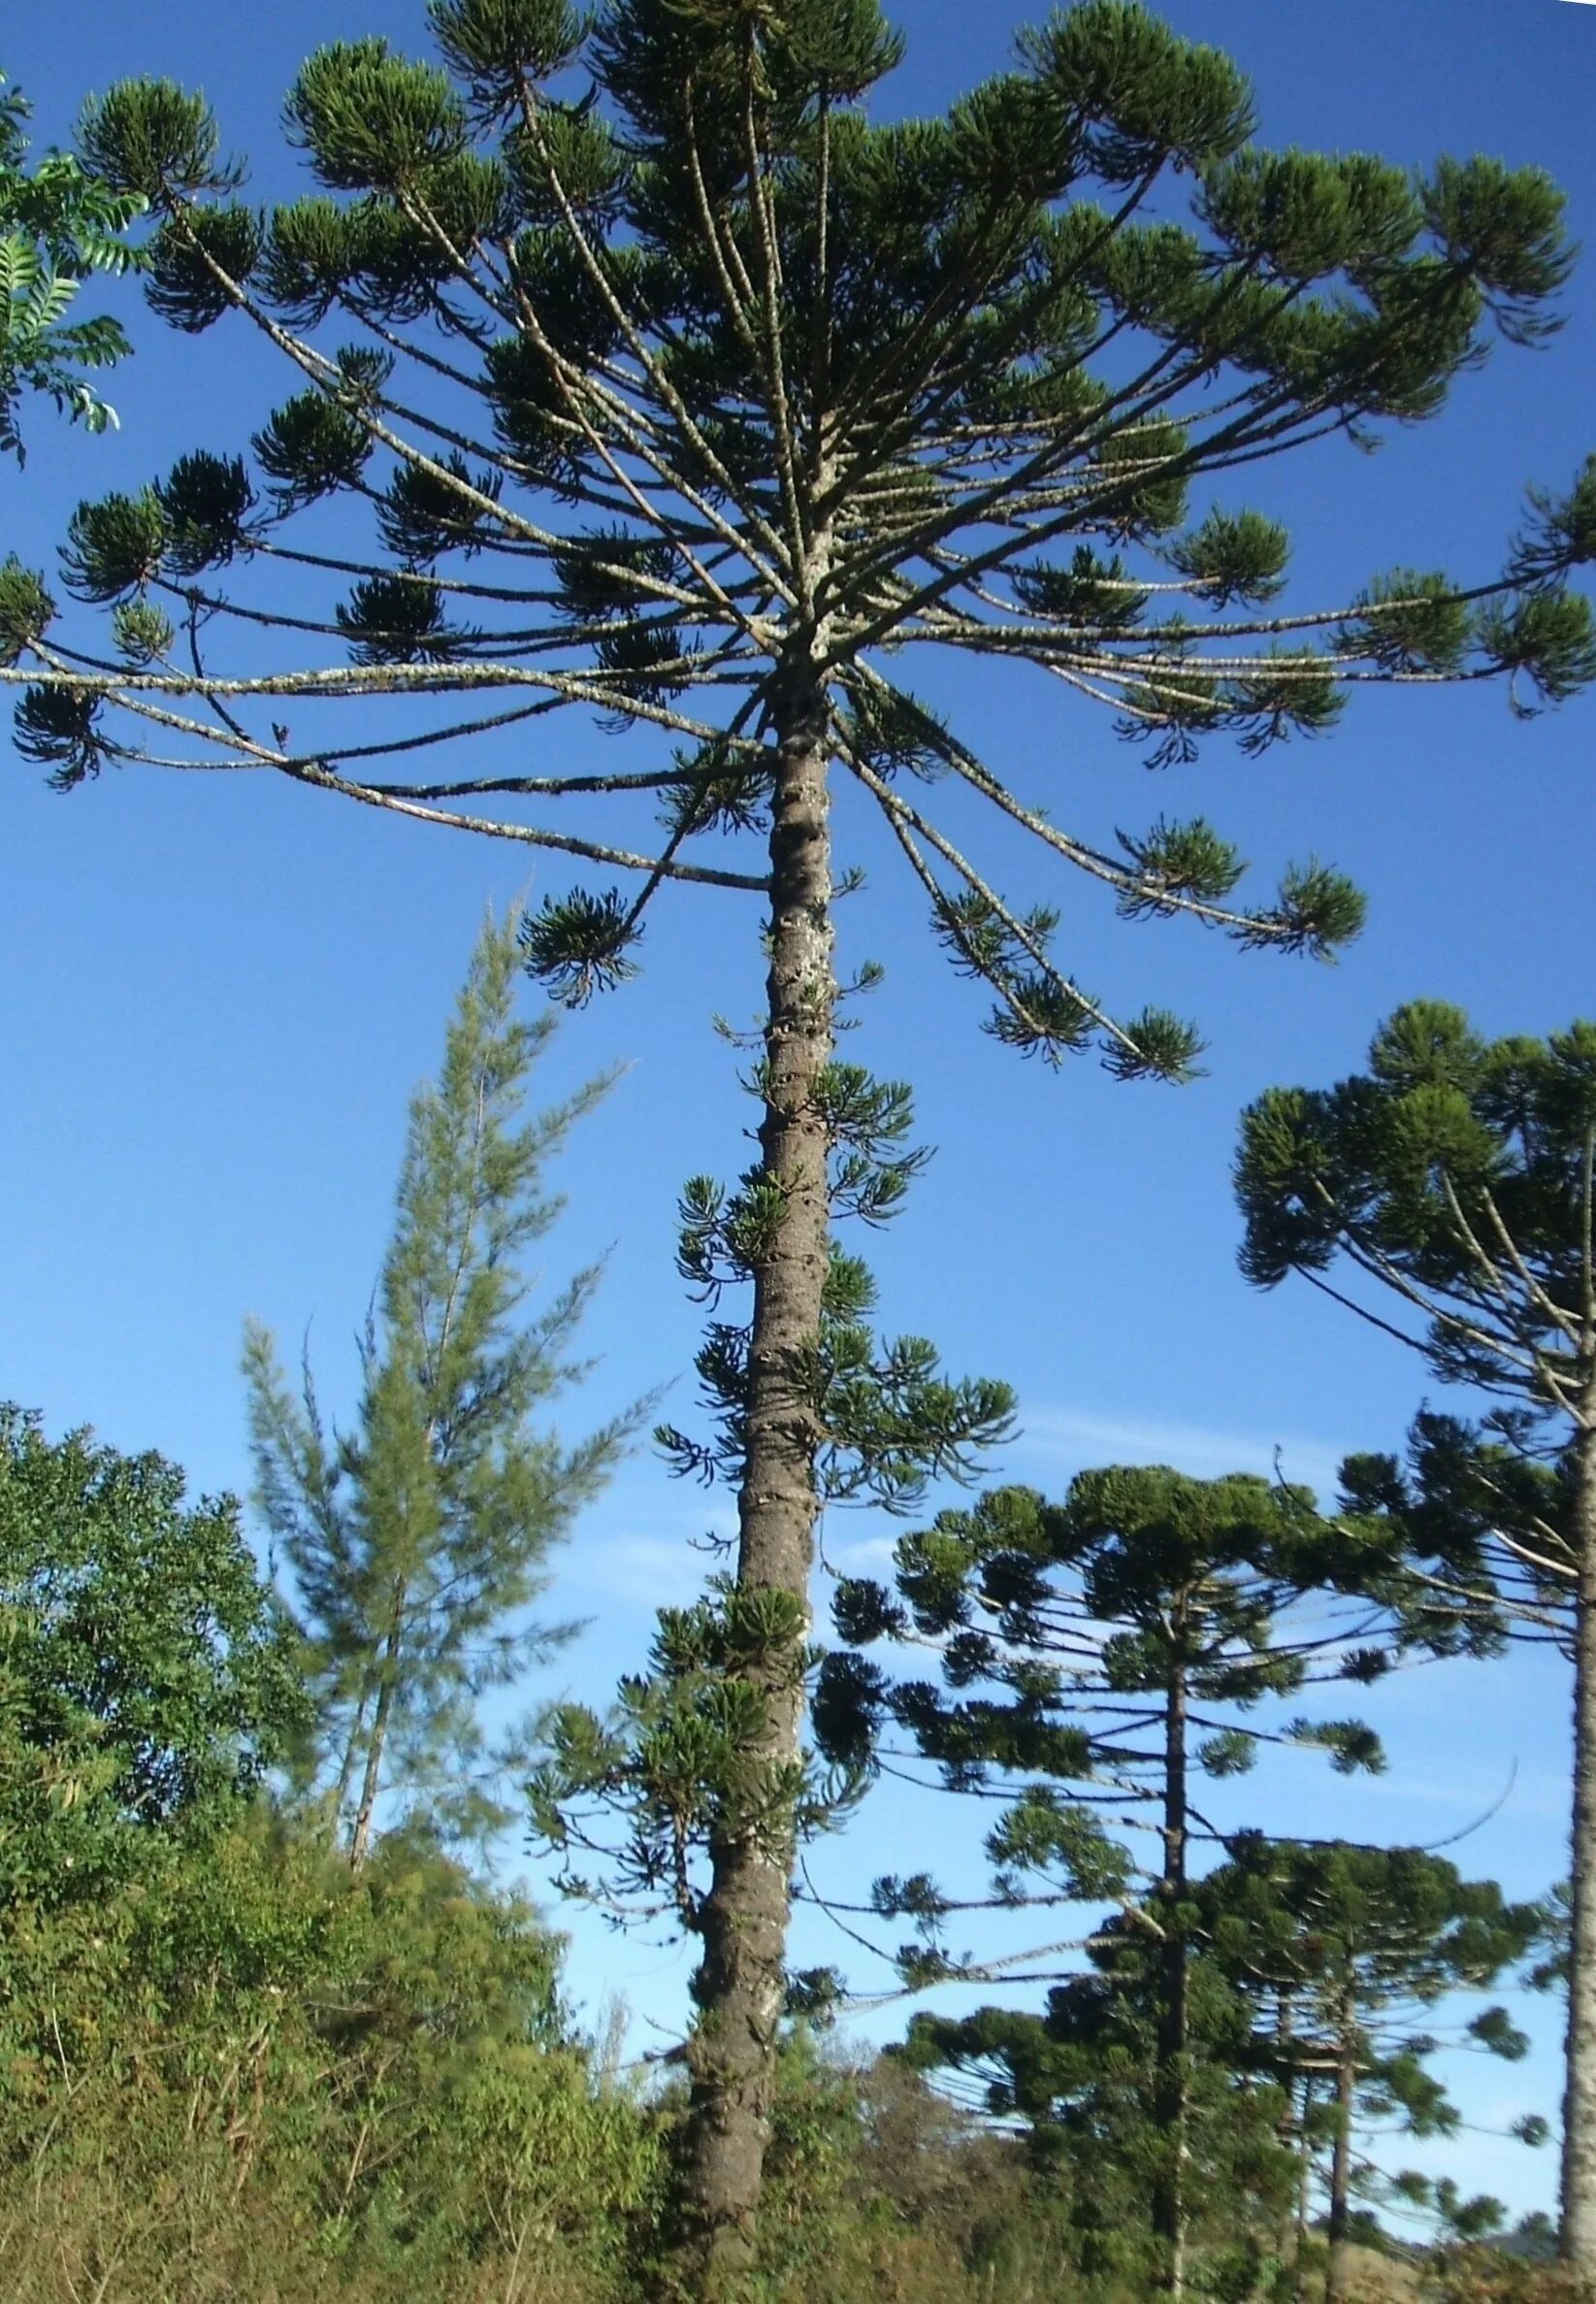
57 224
272 2079
233 2066
147 1682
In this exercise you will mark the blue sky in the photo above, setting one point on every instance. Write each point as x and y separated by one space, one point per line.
218 994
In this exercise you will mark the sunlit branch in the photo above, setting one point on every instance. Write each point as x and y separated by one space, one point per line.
904 820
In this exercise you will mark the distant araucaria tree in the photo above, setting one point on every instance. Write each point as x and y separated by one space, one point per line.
679 392
1450 1189
1102 1660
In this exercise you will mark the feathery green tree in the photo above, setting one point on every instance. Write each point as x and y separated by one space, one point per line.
1345 1952
58 223
1452 1187
417 1540
1098 1657
681 393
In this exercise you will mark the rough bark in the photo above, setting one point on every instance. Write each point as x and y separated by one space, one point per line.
1338 2279
1170 2111
1577 2234
743 1919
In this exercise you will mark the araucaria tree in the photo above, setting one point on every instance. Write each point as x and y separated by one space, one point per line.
417 1540
1451 1190
1343 1954
681 394
1101 1659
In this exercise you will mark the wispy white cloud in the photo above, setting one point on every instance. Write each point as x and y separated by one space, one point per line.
643 1570
1078 1437
860 1556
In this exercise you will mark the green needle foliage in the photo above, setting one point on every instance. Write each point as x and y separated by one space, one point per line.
417 1540
784 369
674 388
1099 1657
702 1751
1082 2078
58 223
1343 1954
886 1420
1451 1191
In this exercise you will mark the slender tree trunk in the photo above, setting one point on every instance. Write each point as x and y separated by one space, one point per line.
1338 2278
1305 2182
1286 2244
1577 2235
339 1800
738 1985
1169 2199
371 1782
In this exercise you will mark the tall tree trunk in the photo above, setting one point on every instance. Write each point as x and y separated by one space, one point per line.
1169 2197
1577 2234
738 1985
1338 2279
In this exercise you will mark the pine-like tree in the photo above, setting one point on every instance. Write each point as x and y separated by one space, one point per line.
1099 1657
1082 2077
417 1540
1452 1188
684 394
1344 1954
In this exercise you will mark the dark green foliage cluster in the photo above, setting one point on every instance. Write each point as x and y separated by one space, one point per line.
1451 1160
890 1419
632 1805
135 1639
1077 2083
1067 1633
1109 1661
713 371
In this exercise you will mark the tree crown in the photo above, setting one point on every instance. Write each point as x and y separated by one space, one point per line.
673 380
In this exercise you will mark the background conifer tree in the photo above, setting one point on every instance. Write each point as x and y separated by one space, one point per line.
1083 2077
683 393
1344 1954
417 1541
1452 1187
1099 1658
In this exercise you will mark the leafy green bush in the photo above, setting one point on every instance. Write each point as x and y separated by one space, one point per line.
345 2086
